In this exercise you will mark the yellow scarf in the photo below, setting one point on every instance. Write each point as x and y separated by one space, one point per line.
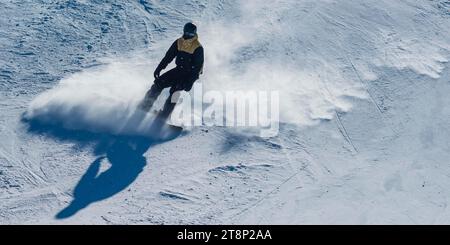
188 45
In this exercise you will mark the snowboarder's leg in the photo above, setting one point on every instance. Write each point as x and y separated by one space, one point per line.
164 81
168 108
180 84
150 97
171 101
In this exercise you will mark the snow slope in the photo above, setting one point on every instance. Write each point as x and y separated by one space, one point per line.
364 113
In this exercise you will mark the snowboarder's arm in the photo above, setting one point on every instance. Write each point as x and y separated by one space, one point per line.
170 55
197 66
197 62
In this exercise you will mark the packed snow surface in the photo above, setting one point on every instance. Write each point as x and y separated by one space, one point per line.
364 134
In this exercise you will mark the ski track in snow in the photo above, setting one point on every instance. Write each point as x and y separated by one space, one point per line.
364 137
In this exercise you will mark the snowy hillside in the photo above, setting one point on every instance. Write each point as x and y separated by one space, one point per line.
364 134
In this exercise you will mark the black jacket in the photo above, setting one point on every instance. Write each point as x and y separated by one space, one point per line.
189 57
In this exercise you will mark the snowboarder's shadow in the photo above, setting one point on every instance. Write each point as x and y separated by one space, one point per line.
120 161
126 161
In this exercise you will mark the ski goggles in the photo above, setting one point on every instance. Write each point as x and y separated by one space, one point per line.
189 34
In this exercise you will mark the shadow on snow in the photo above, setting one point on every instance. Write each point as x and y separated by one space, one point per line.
124 153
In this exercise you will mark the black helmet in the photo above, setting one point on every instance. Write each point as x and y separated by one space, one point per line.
189 30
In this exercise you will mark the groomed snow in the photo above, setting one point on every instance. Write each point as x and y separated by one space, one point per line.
364 127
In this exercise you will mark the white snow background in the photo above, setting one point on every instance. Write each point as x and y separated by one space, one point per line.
363 102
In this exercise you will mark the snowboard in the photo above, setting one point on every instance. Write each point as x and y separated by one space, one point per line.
159 128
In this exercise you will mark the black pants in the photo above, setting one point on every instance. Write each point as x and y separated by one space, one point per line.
176 79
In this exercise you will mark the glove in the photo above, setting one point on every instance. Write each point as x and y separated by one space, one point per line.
157 72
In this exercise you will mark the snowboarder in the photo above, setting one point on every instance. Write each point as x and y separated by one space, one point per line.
189 64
